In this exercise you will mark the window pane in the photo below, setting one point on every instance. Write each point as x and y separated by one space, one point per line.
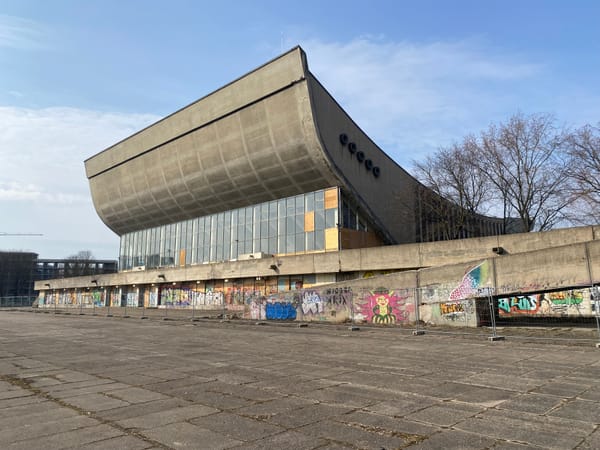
300 223
290 243
330 218
300 204
309 200
319 239
310 240
319 220
300 242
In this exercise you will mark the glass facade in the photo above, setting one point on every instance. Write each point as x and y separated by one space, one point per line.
299 224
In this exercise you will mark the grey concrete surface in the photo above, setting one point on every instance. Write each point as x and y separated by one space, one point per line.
95 382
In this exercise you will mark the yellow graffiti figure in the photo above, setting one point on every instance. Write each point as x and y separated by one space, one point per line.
382 312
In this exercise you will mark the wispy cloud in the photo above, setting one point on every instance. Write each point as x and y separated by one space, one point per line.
17 32
414 97
43 186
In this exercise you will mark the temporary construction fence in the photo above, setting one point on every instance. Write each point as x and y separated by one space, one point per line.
16 302
427 309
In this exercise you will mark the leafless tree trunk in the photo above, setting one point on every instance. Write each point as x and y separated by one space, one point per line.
584 150
460 189
79 264
525 160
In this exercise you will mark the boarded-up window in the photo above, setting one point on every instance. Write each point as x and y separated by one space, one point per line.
309 221
331 198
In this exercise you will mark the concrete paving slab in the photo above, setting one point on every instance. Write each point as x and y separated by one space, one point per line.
585 410
337 394
561 389
402 405
409 430
95 402
269 408
213 399
17 401
50 426
74 438
14 393
237 427
307 415
167 416
445 414
186 435
120 442
532 403
526 428
453 439
165 387
356 436
42 406
35 417
289 440
134 395
140 409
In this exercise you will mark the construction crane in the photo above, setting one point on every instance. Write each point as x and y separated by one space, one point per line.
2 233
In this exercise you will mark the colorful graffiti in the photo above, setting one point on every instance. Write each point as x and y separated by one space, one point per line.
280 311
454 311
258 308
382 306
521 304
187 298
311 303
569 302
473 283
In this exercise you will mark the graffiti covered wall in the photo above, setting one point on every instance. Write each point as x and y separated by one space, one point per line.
569 303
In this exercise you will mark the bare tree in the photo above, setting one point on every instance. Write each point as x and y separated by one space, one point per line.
79 264
461 189
525 160
584 150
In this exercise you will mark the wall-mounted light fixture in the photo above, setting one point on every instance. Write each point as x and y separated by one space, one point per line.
95 282
47 285
162 276
498 250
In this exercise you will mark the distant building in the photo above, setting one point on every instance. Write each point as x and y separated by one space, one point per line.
19 271
47 269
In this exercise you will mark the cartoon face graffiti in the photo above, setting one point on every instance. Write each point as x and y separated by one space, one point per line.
385 307
382 311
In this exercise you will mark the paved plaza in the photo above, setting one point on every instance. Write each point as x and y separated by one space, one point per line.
95 382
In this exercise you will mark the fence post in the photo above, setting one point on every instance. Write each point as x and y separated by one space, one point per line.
494 336
194 298
595 297
417 303
353 326
223 301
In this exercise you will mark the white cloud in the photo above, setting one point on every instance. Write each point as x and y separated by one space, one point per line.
17 32
411 97
43 187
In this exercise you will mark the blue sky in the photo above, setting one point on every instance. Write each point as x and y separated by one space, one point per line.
76 76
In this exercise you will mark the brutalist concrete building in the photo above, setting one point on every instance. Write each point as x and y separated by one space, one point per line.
268 168
270 164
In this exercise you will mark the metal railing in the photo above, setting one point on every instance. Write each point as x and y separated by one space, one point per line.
17 302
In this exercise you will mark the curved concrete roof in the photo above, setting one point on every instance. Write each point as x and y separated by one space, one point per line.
273 133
